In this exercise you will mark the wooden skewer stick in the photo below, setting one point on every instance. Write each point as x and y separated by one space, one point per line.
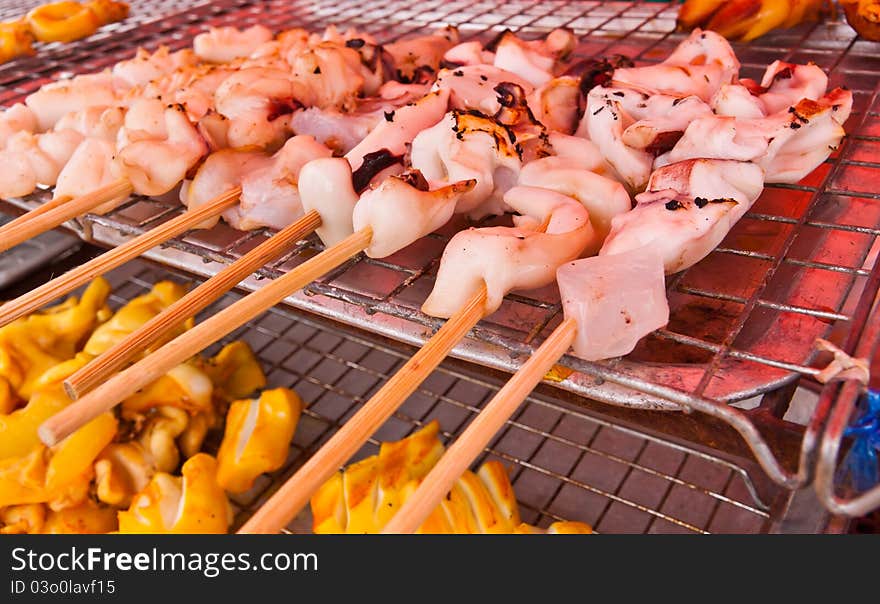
189 305
42 295
294 494
56 212
158 363
476 437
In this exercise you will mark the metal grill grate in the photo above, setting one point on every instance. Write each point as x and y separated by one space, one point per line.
563 464
743 320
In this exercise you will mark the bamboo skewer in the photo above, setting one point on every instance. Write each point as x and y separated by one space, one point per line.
57 212
158 363
119 255
192 303
294 494
467 447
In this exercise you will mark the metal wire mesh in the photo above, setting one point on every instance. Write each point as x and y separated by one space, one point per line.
563 463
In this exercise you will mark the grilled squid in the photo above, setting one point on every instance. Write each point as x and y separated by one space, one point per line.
342 131
551 229
52 101
191 503
469 146
401 210
325 186
473 87
533 60
18 118
688 209
225 44
146 67
35 159
602 197
269 193
258 102
157 147
401 127
788 145
699 66
631 128
421 54
616 299
783 85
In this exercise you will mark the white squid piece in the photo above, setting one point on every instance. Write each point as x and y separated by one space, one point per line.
94 122
783 85
689 208
422 53
604 123
631 127
786 83
469 53
18 118
576 152
602 197
552 229
331 75
555 104
157 147
145 67
269 192
30 160
342 131
220 172
699 66
399 212
225 44
533 60
473 86
399 129
787 145
615 300
258 103
51 102
90 167
194 88
466 146
325 186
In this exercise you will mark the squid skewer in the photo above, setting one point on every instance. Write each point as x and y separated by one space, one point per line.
219 199
315 185
630 283
553 229
151 163
331 196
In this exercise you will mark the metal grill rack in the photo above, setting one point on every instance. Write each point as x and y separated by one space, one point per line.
743 320
564 464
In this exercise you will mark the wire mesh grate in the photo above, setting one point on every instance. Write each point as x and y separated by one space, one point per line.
564 464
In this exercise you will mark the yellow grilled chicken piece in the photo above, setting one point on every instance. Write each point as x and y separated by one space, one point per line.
365 496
